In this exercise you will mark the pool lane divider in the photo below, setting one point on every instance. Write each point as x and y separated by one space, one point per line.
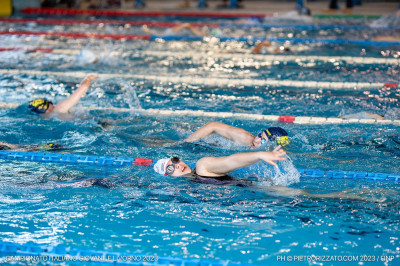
209 81
40 254
231 56
80 35
196 24
48 157
74 12
195 38
73 159
265 57
119 13
247 116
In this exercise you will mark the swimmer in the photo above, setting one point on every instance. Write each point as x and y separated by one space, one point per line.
261 46
84 58
241 136
245 138
215 170
217 167
45 107
5 146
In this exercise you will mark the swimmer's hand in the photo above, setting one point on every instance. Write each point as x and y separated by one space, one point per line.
276 155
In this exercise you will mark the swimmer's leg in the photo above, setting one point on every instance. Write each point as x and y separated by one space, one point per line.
344 194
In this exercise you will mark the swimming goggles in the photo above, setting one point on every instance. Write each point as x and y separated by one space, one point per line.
263 141
171 168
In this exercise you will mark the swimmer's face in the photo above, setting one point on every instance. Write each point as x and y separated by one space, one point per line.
180 168
51 107
282 50
257 141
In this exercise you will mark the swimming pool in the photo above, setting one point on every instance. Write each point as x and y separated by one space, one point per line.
132 209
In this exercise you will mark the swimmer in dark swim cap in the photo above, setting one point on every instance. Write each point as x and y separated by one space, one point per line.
241 136
43 106
277 134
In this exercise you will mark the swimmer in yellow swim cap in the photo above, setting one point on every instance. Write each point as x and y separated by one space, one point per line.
5 146
43 106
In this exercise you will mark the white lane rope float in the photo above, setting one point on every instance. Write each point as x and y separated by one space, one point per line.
245 116
209 81
237 56
282 58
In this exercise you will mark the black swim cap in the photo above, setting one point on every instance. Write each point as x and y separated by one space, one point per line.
277 134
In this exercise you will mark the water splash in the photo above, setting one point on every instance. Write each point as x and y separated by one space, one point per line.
392 20
267 175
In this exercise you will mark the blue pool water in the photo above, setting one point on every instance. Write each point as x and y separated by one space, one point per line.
132 209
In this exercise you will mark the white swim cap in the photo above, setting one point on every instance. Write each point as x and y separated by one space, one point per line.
161 166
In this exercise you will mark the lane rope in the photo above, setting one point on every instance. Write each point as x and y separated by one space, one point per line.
72 159
47 157
117 13
246 116
209 81
197 38
231 56
283 58
53 11
196 24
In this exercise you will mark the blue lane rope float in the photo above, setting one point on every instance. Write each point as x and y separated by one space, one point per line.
349 175
46 157
292 40
32 253
72 159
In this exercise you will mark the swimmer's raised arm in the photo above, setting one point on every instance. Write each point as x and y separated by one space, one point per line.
215 166
65 105
235 134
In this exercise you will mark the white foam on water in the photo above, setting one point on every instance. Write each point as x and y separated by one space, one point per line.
283 175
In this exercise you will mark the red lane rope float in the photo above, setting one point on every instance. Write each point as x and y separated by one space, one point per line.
391 85
115 22
286 118
58 11
142 161
79 35
42 50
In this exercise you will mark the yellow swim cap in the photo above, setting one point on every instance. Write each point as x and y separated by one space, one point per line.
283 141
39 106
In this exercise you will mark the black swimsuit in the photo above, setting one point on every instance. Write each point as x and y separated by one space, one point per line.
219 180
4 147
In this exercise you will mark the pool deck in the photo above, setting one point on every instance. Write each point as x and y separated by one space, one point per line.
260 6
